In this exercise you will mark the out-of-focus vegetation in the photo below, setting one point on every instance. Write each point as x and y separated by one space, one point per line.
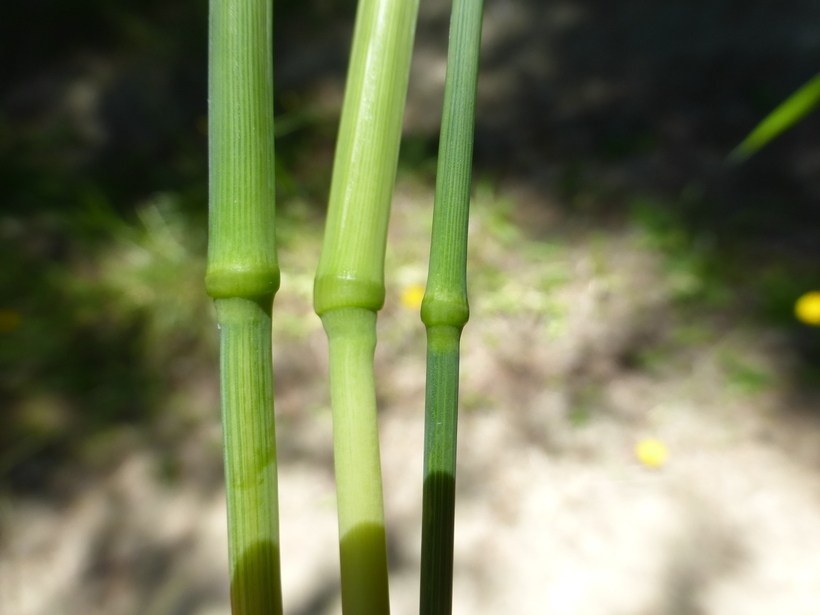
103 223
611 115
786 115
627 286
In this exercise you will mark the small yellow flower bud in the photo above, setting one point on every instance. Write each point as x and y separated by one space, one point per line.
412 296
807 308
652 453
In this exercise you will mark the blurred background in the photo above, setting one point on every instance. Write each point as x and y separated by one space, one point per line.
627 286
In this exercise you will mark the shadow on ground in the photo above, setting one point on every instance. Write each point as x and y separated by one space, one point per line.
595 116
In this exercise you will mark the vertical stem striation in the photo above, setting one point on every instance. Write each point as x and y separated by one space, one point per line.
349 286
242 241
250 455
351 268
243 276
445 309
440 430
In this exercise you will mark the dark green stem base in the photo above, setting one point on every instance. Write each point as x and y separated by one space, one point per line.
440 431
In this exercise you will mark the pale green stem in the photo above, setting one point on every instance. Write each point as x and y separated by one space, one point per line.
351 268
351 334
349 287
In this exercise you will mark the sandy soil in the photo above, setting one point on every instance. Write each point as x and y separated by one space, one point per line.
575 352
554 512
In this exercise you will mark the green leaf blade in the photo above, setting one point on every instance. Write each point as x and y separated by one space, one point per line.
786 115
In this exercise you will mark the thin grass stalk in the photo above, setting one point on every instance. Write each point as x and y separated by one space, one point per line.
349 286
243 277
445 309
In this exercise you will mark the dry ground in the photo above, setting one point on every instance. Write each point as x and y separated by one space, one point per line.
575 351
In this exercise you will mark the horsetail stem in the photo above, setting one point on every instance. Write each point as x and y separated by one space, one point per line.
349 286
243 276
444 309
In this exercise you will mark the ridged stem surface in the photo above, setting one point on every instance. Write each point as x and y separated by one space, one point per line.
445 309
243 276
250 455
351 268
349 286
438 512
241 233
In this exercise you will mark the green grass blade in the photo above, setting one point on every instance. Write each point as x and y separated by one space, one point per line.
349 286
445 309
243 276
786 115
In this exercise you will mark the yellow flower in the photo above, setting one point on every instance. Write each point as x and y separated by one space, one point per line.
652 453
807 308
412 296
9 320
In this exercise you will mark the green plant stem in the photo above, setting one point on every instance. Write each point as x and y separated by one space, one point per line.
242 258
438 512
250 455
351 335
243 276
445 309
351 268
349 287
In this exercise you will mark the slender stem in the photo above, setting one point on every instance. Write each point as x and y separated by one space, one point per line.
250 455
351 334
243 276
242 240
349 287
439 469
445 309
351 268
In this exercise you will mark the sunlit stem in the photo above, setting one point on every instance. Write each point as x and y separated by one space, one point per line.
445 310
349 287
243 276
